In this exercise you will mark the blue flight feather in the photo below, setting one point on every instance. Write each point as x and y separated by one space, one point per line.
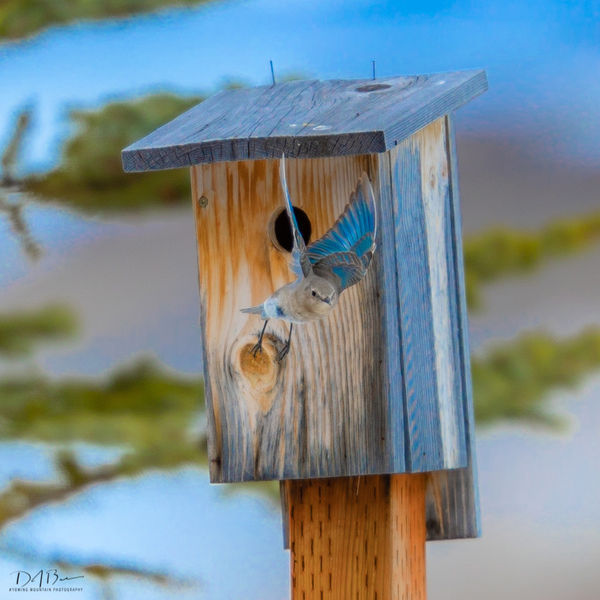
300 262
355 230
344 253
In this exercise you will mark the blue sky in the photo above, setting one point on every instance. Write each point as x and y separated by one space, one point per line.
541 58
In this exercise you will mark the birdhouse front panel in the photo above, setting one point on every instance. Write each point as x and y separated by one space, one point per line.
375 387
318 411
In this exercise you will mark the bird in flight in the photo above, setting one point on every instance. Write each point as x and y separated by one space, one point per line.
326 267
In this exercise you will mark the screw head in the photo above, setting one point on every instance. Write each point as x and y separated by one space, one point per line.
203 201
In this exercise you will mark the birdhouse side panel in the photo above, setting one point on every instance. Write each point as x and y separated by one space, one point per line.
452 501
324 410
396 398
427 288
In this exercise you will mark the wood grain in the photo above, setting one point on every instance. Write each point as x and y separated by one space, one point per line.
383 384
368 390
304 119
453 496
322 411
426 289
396 418
358 538
360 392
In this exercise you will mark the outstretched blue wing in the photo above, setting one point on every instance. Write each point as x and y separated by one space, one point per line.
347 248
300 263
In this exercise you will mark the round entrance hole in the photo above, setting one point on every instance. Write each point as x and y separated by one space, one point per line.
281 228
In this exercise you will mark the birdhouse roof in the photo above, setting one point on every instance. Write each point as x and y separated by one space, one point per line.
304 119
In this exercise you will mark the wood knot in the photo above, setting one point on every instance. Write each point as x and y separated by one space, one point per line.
258 367
258 372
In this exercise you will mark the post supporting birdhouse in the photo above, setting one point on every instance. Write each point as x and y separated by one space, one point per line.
357 537
368 420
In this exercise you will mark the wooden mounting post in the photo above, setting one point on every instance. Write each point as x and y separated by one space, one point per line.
357 538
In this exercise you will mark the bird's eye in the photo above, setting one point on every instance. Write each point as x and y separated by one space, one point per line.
314 293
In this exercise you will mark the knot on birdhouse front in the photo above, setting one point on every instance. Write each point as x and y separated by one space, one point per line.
257 371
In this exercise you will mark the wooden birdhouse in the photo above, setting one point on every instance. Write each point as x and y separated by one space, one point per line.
381 386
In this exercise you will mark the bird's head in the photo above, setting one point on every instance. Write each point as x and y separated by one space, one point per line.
319 295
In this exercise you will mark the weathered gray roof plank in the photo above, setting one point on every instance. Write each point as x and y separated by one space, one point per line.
304 119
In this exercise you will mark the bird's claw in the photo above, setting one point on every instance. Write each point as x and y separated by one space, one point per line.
256 349
283 353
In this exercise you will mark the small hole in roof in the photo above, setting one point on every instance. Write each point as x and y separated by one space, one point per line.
373 87
281 228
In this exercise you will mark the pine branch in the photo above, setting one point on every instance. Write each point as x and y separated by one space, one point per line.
21 330
19 227
502 252
140 405
90 177
512 381
22 497
23 18
11 153
13 209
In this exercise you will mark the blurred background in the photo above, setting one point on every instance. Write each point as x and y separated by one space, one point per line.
102 464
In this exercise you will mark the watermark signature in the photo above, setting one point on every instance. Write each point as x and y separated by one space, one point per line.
45 580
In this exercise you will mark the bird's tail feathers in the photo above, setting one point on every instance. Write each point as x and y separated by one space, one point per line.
253 310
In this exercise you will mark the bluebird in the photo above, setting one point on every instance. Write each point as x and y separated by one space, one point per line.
326 267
